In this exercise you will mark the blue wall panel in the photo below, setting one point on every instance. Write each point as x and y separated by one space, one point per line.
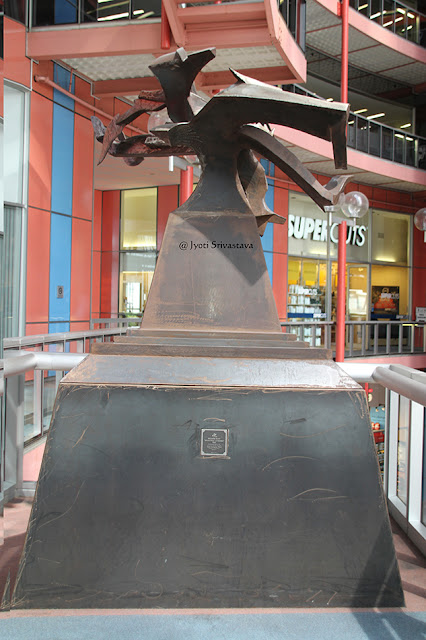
269 262
60 268
62 159
268 236
62 77
58 327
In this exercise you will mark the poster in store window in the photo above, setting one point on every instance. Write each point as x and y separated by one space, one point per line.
384 303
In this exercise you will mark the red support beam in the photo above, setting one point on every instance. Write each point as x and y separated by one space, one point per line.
345 52
186 184
166 34
341 293
124 86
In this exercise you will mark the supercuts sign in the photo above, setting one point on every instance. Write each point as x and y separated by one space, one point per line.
305 228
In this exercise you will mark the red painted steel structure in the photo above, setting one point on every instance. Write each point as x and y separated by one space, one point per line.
166 33
341 293
186 184
345 51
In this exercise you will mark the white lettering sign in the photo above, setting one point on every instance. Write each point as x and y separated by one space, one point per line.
300 228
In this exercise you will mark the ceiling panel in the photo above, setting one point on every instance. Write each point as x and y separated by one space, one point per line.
116 67
378 59
317 17
414 73
245 58
327 40
112 67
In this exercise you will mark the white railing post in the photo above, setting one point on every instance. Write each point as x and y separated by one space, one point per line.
14 434
38 402
415 488
393 444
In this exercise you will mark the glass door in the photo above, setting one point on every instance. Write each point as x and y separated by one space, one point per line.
357 293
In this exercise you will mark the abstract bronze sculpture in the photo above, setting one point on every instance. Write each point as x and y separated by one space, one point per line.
220 133
208 459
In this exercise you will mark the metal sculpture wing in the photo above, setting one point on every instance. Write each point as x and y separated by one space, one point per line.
224 131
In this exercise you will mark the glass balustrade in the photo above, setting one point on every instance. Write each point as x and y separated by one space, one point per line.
397 17
377 139
55 12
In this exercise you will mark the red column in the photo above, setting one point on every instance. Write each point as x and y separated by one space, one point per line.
341 293
345 46
165 29
186 183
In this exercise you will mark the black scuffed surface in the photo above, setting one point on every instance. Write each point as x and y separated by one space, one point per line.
128 514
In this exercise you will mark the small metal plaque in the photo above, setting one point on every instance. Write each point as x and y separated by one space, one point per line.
60 291
214 442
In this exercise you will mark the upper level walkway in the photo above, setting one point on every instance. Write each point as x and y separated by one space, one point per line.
372 46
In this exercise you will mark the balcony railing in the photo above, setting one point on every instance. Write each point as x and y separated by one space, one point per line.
294 14
363 339
378 139
56 12
385 142
396 17
38 390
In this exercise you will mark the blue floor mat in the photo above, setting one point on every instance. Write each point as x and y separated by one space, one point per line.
177 626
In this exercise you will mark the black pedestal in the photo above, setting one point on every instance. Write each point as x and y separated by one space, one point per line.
172 481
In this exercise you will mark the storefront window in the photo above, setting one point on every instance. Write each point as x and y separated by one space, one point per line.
374 291
390 237
308 231
306 288
307 227
357 302
389 292
136 273
138 243
139 219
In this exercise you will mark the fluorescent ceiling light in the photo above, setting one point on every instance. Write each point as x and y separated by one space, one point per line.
405 126
409 139
364 6
410 15
400 10
375 15
399 135
351 121
360 110
145 15
330 99
115 16
376 115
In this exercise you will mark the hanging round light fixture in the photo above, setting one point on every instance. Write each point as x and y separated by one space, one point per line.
354 204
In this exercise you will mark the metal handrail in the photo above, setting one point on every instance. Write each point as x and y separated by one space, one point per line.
120 320
54 338
408 387
25 361
368 344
